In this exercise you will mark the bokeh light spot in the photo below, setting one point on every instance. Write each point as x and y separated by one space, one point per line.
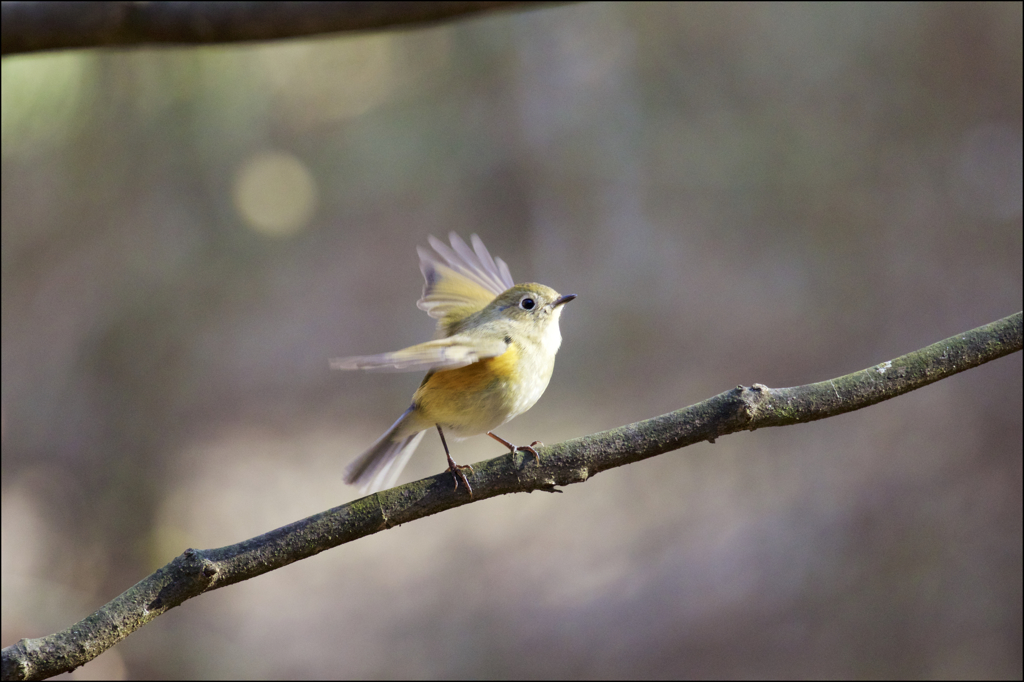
275 194
44 101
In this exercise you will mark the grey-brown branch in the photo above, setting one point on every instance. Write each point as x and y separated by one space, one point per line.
574 461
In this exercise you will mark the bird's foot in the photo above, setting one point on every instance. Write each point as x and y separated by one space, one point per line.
520 448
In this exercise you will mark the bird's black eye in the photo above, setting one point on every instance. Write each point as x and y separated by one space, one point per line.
527 302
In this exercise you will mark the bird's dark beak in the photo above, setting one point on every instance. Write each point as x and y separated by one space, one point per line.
562 299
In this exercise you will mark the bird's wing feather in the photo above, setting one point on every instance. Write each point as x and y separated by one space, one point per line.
465 281
447 353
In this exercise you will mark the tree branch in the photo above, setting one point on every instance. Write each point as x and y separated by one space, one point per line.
34 26
573 461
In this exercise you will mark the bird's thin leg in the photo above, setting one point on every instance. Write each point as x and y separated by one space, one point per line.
521 448
456 469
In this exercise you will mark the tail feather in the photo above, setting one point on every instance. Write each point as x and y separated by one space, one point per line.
382 463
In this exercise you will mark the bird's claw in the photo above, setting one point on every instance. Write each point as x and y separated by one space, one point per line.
529 448
457 473
518 448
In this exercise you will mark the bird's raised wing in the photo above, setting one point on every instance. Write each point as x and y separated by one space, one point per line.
448 353
465 281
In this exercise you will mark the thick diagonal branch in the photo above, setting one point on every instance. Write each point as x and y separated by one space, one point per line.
574 461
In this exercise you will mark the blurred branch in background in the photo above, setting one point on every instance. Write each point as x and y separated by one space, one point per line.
35 26
198 571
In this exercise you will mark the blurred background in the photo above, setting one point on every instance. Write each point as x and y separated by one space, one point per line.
738 193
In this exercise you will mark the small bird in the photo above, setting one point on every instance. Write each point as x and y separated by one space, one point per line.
491 361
